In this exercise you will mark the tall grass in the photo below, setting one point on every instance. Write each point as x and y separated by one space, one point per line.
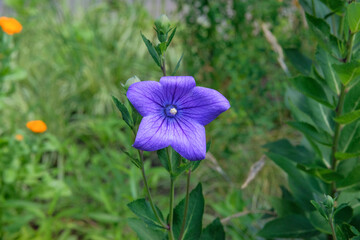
74 61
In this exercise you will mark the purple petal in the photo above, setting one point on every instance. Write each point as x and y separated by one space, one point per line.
188 139
146 97
153 134
203 105
175 87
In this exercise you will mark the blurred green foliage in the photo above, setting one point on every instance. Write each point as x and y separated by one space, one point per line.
74 180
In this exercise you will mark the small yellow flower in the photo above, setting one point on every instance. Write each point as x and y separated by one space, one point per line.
36 126
10 25
19 137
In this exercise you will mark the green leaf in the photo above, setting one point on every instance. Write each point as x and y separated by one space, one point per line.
354 230
352 179
343 214
307 110
124 112
104 217
310 131
135 115
325 174
293 226
171 37
144 231
214 231
284 207
194 216
297 154
353 16
311 88
301 63
142 209
162 155
326 62
348 117
302 185
161 48
177 65
134 160
319 222
335 5
343 156
151 50
320 209
320 9
349 138
347 72
321 30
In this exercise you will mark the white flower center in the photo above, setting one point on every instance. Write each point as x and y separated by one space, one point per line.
173 111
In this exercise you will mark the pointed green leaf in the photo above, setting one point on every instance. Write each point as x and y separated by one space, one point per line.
214 231
310 131
142 209
177 65
352 179
144 231
134 160
353 16
162 155
300 62
104 217
293 226
151 50
320 209
343 156
326 62
347 72
321 30
284 207
335 5
171 37
135 115
325 174
194 216
124 112
348 117
319 222
311 88
343 214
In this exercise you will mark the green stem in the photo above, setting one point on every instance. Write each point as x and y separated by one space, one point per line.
141 155
333 24
341 27
313 7
338 112
171 214
172 193
186 205
1 208
163 66
331 222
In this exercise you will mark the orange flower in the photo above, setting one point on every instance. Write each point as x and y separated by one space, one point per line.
10 25
19 137
36 126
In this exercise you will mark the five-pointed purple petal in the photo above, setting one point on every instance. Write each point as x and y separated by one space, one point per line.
175 112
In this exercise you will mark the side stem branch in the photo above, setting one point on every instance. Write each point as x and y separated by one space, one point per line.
186 205
141 155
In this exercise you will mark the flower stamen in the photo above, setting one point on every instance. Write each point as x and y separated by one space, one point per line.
173 111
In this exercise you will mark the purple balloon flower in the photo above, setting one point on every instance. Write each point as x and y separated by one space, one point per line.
175 112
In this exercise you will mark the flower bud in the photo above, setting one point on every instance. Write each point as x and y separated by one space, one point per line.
329 202
162 24
130 81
